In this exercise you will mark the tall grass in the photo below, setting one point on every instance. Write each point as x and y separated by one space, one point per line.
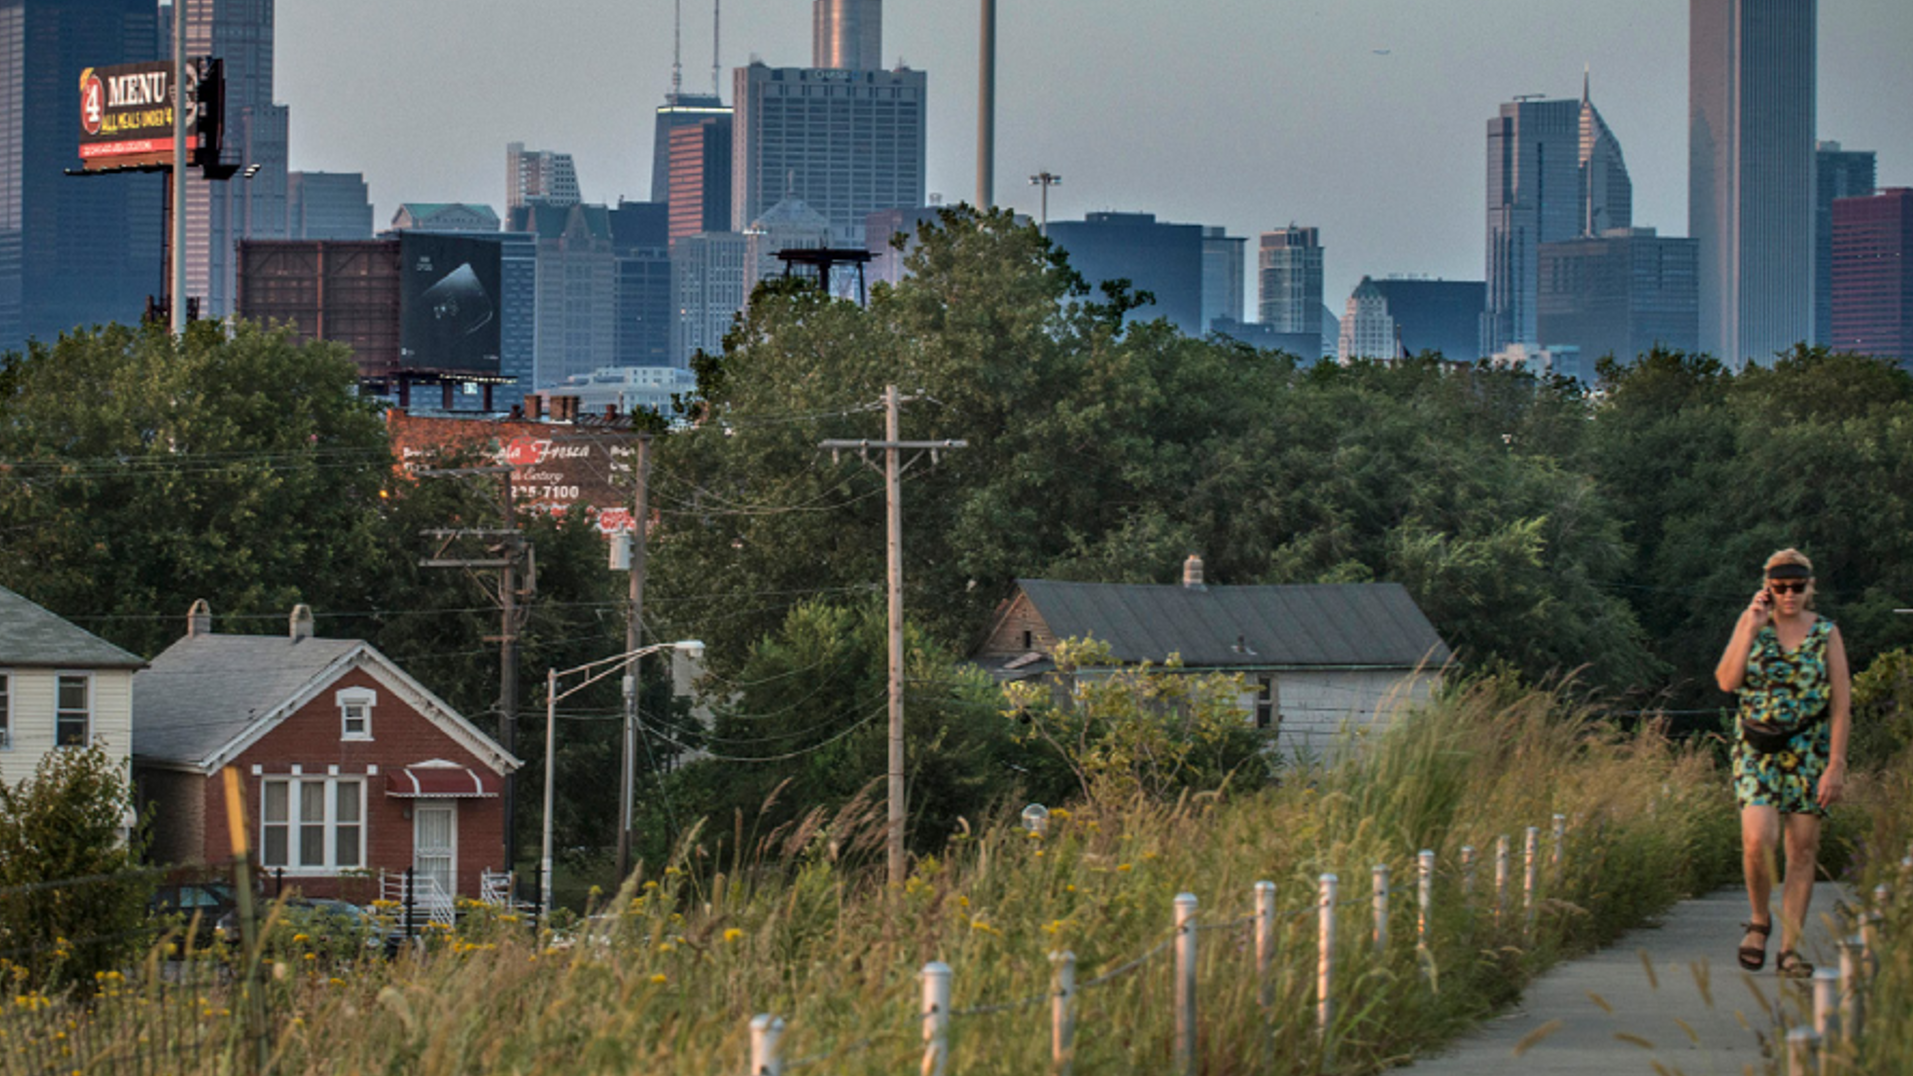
666 980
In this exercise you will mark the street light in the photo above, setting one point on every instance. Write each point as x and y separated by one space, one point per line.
1045 180
692 648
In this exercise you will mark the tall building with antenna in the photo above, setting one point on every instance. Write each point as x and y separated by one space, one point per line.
691 145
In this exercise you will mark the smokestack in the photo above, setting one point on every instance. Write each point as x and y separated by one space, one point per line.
846 34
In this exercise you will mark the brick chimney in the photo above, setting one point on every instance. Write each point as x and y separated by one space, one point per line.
534 406
1192 573
199 619
300 622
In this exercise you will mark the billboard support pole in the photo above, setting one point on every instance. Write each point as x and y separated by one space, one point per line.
178 297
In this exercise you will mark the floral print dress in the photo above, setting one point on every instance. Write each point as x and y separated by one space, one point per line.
1792 689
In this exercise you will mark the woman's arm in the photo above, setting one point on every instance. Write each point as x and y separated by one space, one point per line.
1833 782
1733 662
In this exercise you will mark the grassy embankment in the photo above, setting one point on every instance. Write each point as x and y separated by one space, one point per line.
668 981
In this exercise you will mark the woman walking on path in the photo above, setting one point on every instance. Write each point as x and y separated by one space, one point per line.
1790 747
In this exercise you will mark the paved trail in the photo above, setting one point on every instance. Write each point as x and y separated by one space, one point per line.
1697 1013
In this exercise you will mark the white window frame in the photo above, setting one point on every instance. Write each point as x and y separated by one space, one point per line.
332 784
59 711
362 699
6 709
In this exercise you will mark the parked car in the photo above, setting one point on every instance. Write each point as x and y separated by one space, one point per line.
206 911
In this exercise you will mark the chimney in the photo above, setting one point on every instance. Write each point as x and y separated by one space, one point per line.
534 406
199 619
1192 573
300 623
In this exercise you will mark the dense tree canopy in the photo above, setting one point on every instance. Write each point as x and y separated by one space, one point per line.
1609 531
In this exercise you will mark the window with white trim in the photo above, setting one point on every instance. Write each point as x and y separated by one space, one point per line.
312 823
6 711
355 712
73 710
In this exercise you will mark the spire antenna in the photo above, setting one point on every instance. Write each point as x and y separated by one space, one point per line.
677 50
717 8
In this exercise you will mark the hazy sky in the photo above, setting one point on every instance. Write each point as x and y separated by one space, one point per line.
1365 118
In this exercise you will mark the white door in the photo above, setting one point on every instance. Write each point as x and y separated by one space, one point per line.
435 851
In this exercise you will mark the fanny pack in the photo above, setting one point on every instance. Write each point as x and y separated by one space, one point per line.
1768 737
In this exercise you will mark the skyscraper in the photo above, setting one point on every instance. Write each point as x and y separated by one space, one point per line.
1289 280
684 110
846 34
219 213
1607 195
1223 283
73 251
1555 172
1872 278
1158 257
1750 173
1621 294
327 205
698 187
1838 173
539 176
846 142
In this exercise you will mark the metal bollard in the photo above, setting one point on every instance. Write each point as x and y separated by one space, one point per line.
1852 997
1424 895
1802 1047
1325 960
1265 944
1062 1031
766 1032
1826 1003
936 1017
1501 877
1558 855
1185 989
1531 849
1380 892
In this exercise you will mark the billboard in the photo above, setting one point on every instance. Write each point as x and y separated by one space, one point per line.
450 303
555 468
126 114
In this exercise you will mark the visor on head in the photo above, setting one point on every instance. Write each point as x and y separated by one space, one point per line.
1789 571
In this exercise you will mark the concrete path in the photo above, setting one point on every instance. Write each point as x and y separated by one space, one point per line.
1607 1014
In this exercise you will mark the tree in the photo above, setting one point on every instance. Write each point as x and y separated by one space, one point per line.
805 729
144 472
72 898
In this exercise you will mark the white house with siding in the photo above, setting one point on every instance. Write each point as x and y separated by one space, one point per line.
1314 658
60 686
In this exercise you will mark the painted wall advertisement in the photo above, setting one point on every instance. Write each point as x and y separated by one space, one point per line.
555 469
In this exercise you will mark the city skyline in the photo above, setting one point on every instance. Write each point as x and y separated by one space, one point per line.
1361 118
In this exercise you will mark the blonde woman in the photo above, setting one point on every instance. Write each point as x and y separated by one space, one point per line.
1790 747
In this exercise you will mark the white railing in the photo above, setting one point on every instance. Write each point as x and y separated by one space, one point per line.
421 894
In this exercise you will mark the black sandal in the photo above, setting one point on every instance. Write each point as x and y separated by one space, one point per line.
1789 965
1754 957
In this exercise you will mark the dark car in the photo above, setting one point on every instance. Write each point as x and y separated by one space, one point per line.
205 911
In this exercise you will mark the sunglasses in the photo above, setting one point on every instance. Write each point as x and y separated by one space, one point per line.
1782 586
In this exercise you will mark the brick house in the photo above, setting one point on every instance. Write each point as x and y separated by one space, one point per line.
350 766
1313 658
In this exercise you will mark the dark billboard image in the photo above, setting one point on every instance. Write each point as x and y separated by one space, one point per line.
126 114
449 303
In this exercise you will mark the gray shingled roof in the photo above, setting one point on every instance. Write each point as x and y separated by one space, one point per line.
32 636
1340 625
204 690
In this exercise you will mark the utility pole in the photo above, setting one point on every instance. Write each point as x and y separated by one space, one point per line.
506 549
177 193
633 639
892 446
